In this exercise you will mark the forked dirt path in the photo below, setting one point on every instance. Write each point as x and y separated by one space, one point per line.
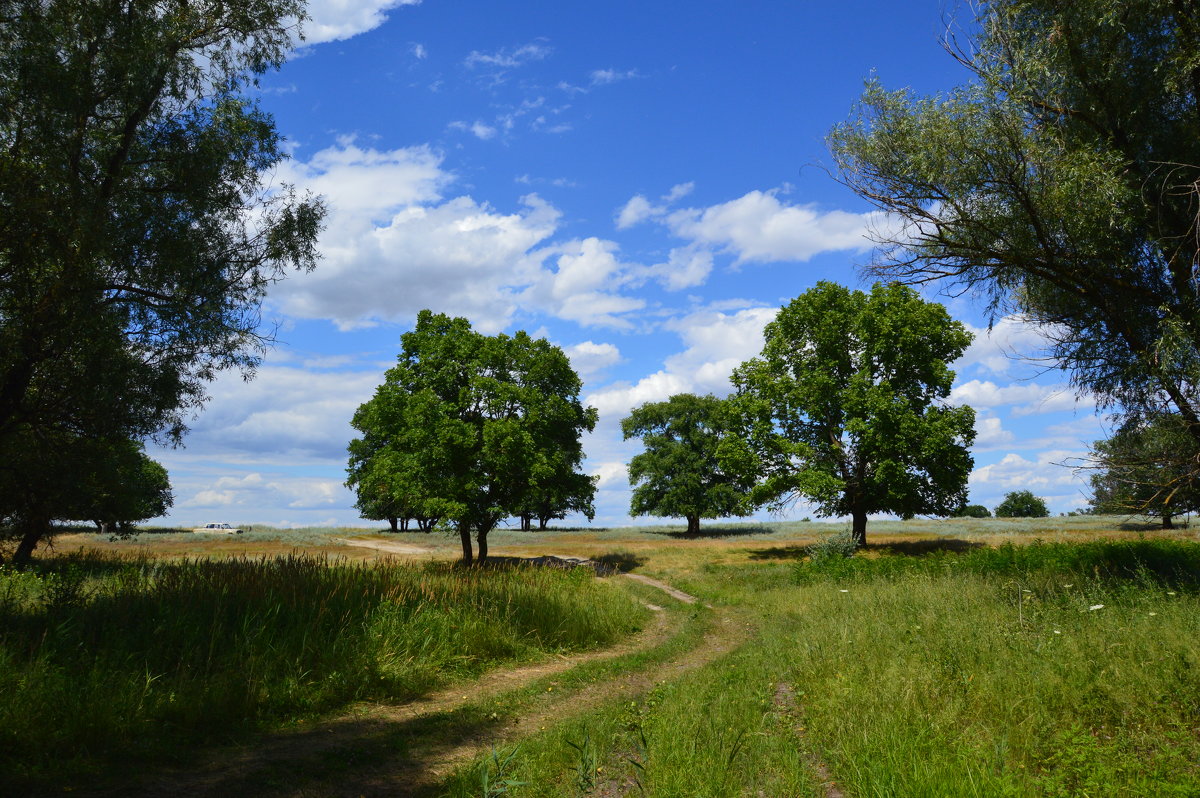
407 749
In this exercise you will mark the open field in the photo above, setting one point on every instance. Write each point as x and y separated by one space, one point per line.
941 661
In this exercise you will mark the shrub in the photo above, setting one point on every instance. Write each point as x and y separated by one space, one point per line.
972 511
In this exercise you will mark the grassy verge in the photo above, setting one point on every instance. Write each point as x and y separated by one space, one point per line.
102 656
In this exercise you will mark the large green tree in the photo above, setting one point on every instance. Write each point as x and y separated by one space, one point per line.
468 426
1060 182
137 235
1148 467
679 474
845 407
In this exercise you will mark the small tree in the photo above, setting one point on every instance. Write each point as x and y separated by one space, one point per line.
1022 504
466 427
679 474
1149 467
846 407
972 511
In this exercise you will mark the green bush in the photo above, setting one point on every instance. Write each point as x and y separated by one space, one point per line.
1022 504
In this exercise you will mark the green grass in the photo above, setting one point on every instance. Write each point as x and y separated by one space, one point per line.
104 655
1051 669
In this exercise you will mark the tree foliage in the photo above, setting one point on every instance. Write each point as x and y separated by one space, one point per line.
845 407
1148 467
679 473
470 428
1059 183
137 238
972 511
1022 504
112 483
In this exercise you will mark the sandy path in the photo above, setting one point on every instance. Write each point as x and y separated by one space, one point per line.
407 752
406 549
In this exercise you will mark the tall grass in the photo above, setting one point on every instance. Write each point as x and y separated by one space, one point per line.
103 654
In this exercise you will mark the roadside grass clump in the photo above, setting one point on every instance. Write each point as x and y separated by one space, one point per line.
102 655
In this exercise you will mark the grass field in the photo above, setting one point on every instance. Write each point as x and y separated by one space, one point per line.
991 658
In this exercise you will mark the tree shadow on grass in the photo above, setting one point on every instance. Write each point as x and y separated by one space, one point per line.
715 532
920 548
906 548
367 757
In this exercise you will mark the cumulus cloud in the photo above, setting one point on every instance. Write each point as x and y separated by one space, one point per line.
715 342
756 227
579 284
1014 472
334 20
759 227
286 414
392 245
1028 398
990 433
1009 344
590 359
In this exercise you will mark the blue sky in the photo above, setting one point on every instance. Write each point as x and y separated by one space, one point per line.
643 183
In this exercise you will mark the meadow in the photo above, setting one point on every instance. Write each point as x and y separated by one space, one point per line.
989 658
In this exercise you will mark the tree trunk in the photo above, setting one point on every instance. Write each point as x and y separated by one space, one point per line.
542 522
392 523
464 534
1167 521
693 527
859 529
526 522
481 539
33 532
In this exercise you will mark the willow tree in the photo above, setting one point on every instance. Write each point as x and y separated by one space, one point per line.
1060 183
137 235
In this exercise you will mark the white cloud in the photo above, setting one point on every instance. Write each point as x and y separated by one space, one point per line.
990 434
715 343
508 59
603 77
758 227
419 51
636 211
590 358
611 475
685 267
678 192
580 285
1014 472
334 20
393 247
1009 344
478 129
229 494
285 414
